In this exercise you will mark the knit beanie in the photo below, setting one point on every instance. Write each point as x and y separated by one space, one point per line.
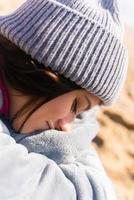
79 39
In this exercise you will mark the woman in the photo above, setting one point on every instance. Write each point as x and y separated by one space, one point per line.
59 59
40 99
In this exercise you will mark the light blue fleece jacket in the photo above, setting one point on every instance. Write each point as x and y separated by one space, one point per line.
53 164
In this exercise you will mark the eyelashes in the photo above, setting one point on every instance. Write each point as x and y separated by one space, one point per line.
74 106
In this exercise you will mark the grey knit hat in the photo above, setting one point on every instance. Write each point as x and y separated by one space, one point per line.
80 39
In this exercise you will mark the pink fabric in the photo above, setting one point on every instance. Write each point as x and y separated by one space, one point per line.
5 106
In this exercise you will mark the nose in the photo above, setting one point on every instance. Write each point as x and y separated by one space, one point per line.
65 123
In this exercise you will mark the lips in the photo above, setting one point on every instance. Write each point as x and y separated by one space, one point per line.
52 126
48 125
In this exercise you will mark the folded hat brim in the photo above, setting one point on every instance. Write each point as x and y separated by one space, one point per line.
70 43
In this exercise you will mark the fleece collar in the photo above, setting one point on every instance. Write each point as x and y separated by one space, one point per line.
63 147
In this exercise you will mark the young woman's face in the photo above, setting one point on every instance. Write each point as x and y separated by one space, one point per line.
59 113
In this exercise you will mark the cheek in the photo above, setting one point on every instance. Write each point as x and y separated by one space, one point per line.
58 109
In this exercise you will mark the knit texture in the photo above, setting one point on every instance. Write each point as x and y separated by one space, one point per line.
80 39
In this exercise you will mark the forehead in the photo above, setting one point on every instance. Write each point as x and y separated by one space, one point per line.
92 97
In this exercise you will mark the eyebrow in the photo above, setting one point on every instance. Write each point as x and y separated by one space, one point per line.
89 104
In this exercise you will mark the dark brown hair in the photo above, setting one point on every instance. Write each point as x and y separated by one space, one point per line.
30 77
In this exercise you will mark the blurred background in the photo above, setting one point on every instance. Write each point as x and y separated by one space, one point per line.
115 140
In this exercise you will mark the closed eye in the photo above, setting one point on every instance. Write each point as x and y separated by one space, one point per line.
74 106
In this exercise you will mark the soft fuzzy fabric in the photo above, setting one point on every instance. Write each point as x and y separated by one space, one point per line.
53 164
